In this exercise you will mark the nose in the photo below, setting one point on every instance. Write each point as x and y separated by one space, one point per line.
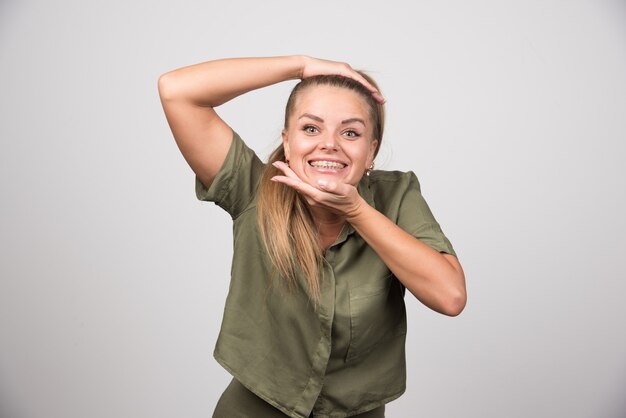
329 142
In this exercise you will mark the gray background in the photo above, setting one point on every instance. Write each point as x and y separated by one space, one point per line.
113 277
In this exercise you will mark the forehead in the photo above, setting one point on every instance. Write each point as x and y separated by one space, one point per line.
332 102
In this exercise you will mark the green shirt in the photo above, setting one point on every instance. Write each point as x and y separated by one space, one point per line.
345 357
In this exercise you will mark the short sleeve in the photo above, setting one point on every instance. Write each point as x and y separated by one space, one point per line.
416 218
235 185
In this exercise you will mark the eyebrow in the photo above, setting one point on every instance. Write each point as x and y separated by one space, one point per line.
343 122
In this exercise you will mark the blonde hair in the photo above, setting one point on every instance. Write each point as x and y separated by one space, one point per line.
285 220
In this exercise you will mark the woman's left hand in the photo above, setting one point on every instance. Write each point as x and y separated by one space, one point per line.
341 198
436 279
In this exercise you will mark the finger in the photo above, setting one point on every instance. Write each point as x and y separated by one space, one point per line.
298 185
334 188
346 70
327 186
379 97
375 93
287 171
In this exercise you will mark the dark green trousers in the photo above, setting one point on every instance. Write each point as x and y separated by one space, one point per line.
238 402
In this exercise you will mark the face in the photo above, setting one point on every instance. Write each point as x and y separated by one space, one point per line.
329 136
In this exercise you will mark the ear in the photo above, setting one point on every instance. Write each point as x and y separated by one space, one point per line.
372 152
285 143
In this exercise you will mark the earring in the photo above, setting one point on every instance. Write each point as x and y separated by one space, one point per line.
369 170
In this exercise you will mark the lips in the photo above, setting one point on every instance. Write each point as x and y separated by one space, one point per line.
335 165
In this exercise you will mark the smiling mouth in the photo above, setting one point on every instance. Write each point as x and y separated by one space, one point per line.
327 164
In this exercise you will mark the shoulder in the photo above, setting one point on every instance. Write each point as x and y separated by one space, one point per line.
234 187
393 181
387 191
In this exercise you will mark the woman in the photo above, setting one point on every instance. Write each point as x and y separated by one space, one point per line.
324 247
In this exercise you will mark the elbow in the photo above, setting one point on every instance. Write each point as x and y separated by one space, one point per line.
456 295
451 299
454 303
166 87
449 302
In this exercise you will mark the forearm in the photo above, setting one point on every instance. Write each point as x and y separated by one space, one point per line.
213 83
437 280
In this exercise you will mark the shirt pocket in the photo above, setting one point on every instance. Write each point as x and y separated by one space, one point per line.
377 313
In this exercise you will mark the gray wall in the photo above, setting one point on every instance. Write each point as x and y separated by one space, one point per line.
113 277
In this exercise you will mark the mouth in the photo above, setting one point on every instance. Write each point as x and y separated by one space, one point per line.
331 165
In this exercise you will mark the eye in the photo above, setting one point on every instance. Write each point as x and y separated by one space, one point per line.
352 133
310 129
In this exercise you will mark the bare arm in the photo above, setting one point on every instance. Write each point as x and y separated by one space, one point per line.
190 94
436 279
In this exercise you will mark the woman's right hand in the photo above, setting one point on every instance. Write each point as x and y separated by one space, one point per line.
316 66
190 94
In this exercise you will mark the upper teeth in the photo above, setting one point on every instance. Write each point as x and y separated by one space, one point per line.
327 164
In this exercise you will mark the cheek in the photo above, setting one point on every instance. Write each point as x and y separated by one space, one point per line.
364 157
300 149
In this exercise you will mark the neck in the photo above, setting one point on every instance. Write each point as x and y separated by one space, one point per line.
325 218
328 224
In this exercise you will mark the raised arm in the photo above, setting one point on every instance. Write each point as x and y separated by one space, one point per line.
190 94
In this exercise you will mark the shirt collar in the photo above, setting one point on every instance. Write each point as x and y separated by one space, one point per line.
364 190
